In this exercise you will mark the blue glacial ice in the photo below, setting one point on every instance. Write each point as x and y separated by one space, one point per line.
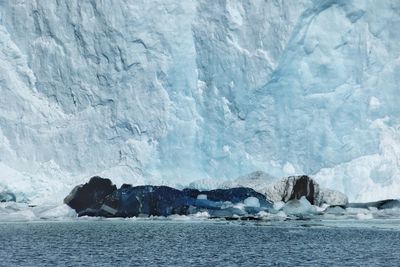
170 92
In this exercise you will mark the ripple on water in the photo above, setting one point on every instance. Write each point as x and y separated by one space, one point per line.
104 243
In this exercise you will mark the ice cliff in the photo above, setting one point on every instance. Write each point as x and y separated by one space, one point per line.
170 91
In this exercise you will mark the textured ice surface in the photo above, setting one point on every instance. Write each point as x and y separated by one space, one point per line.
170 91
298 207
252 202
332 197
12 211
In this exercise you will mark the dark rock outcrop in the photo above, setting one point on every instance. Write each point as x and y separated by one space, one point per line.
100 198
90 195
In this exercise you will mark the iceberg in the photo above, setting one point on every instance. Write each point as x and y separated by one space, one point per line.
299 207
22 212
288 188
99 197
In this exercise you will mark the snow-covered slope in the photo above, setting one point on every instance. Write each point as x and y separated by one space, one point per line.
170 91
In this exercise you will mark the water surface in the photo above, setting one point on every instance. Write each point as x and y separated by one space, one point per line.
169 243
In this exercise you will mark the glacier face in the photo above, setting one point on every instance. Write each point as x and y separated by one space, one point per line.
171 91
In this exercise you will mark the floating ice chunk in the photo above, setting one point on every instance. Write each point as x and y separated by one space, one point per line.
299 207
177 217
387 213
227 204
356 211
337 210
12 207
373 209
201 214
239 206
279 205
252 202
365 216
281 214
321 208
12 211
59 212
202 196
272 216
263 214
20 215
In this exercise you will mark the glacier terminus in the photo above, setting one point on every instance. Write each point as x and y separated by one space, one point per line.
175 92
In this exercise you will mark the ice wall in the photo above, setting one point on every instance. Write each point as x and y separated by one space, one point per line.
171 91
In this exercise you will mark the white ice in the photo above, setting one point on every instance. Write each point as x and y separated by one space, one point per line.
169 92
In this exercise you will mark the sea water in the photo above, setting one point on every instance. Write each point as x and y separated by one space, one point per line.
203 243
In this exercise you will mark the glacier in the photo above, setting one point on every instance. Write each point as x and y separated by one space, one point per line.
170 92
